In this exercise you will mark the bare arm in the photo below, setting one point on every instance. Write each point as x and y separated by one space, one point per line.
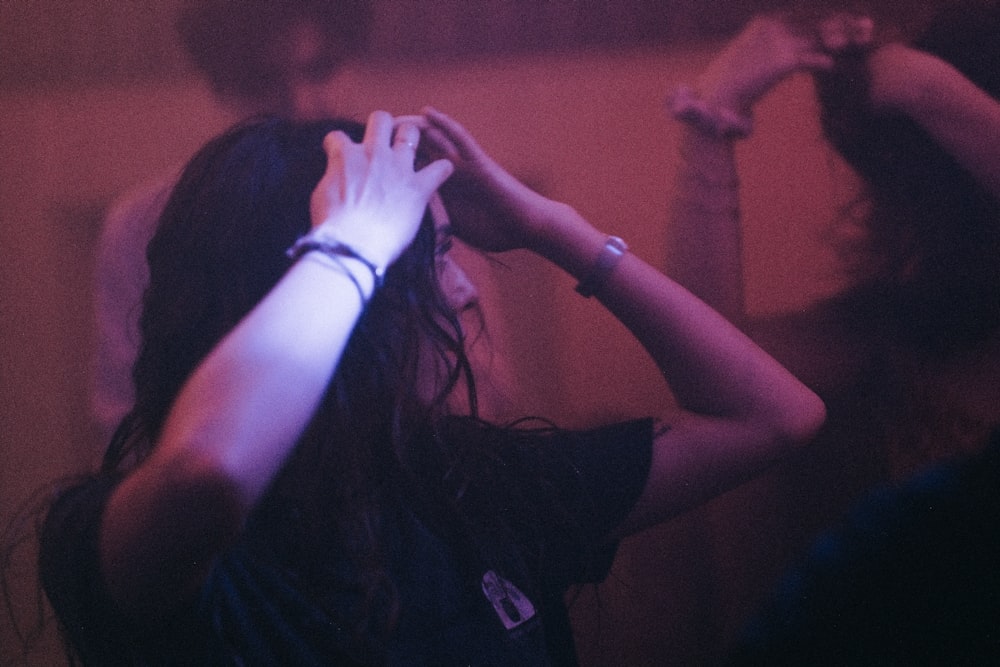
742 409
704 235
961 117
241 412
704 247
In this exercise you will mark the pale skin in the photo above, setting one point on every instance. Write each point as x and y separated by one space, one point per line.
224 440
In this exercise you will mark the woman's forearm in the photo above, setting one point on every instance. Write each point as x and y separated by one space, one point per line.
712 368
704 235
249 400
960 116
230 429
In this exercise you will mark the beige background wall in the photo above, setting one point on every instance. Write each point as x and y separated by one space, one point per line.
587 129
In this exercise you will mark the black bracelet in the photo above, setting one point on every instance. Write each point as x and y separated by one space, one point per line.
337 251
612 252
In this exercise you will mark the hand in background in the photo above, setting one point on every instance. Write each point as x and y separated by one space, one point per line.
771 48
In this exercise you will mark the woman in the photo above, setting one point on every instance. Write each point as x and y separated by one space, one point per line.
300 481
906 358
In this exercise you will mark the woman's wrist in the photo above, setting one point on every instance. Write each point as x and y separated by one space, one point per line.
564 237
360 274
711 115
604 264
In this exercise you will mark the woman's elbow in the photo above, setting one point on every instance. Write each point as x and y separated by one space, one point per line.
801 420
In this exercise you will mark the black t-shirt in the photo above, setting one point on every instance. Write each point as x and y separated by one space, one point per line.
560 493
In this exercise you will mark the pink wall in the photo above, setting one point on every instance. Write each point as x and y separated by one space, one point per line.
589 130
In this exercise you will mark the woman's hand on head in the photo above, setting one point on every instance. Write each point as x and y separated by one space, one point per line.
489 208
772 47
371 197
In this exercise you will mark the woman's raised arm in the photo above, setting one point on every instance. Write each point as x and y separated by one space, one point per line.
961 117
742 410
242 410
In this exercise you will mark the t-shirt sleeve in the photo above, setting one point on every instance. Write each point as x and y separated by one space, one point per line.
607 471
561 493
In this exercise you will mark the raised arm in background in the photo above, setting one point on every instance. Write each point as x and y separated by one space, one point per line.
704 244
961 117
704 238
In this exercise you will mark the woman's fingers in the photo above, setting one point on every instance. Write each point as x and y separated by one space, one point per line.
435 174
403 136
842 32
815 60
333 145
438 143
407 137
454 132
405 141
378 130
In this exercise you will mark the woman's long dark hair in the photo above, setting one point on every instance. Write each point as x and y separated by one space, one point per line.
928 262
218 250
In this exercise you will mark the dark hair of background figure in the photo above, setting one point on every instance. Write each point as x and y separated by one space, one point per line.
932 232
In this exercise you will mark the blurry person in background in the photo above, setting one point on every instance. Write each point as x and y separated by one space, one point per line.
260 58
907 357
274 57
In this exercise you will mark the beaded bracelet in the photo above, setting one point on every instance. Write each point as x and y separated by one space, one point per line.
685 105
612 252
338 251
